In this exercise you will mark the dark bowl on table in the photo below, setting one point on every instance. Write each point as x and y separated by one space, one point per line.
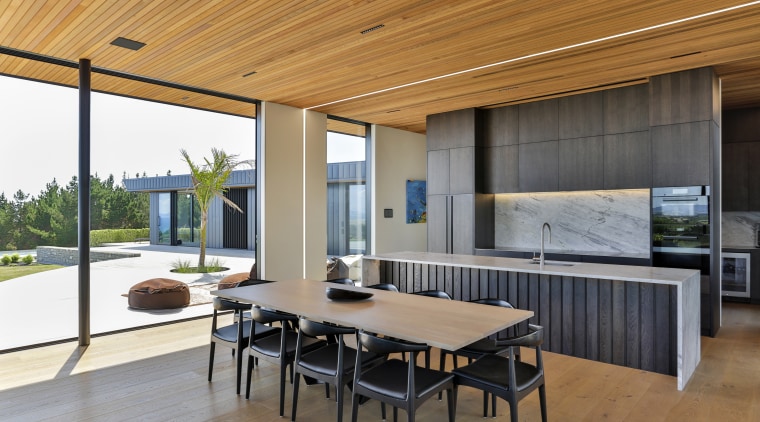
337 294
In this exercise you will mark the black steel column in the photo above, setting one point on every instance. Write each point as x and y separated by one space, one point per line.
85 73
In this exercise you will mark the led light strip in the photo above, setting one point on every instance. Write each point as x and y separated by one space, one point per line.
543 53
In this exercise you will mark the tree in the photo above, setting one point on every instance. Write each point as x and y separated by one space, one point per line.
208 182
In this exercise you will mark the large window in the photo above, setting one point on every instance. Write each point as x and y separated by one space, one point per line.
346 188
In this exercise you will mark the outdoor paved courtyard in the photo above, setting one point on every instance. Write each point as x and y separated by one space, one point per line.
43 307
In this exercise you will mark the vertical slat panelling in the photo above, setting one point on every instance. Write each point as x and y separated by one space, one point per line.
448 286
423 280
530 281
618 323
592 319
417 283
544 309
493 284
466 282
568 316
662 322
484 281
556 304
440 281
402 273
605 321
633 321
578 332
502 291
646 326
474 284
457 287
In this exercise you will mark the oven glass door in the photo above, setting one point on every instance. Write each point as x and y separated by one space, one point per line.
681 223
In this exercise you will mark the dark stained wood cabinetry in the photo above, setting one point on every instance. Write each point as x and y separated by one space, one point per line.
581 163
538 121
741 176
538 166
681 154
459 217
581 115
627 160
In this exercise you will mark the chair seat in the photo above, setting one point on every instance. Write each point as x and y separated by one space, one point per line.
323 360
491 370
390 379
229 332
270 345
483 346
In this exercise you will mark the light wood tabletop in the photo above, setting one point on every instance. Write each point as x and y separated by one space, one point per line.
447 324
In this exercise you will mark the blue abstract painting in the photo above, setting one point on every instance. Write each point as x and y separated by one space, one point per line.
416 201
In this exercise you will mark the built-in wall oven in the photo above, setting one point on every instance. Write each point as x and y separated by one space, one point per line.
681 227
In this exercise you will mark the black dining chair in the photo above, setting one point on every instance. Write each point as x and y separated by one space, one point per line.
279 348
346 281
432 293
235 335
333 364
505 376
397 383
384 286
479 348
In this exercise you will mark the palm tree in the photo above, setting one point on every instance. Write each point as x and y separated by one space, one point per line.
208 181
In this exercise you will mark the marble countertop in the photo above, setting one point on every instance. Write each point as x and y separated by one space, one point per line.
571 252
634 273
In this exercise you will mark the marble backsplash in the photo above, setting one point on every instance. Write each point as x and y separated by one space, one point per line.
609 222
738 229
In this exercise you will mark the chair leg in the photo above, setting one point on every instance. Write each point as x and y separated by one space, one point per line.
295 396
485 404
355 407
282 387
542 399
451 398
441 367
493 405
211 361
395 415
339 394
327 390
248 378
239 371
427 358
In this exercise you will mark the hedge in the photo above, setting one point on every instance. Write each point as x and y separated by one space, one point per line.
99 237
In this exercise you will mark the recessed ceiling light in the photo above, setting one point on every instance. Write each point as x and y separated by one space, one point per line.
249 74
127 43
374 28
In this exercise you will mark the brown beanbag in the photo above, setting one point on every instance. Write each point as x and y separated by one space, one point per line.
232 280
159 293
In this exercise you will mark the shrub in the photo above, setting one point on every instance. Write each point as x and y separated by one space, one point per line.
28 259
99 237
6 260
15 258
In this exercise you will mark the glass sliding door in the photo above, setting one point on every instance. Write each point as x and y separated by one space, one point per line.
164 218
188 219
346 187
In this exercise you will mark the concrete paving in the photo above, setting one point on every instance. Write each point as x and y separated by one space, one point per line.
43 307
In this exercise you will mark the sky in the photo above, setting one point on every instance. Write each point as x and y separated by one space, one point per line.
39 136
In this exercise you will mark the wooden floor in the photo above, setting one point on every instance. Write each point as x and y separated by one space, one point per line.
159 374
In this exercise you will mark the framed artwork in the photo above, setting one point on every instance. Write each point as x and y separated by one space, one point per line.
416 201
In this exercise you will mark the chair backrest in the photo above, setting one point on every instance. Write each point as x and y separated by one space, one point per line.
384 345
434 293
534 338
253 282
266 316
221 304
346 281
493 302
384 286
314 329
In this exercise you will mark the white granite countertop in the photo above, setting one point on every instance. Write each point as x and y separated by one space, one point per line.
570 252
643 274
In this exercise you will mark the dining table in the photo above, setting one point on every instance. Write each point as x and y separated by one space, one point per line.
446 324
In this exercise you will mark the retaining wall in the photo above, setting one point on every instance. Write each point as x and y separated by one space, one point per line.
70 256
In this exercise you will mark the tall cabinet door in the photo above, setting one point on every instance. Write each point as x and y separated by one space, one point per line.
462 224
438 223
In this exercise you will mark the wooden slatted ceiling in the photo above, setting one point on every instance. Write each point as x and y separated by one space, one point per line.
308 53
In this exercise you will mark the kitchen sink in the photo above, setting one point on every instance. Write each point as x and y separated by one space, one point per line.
554 263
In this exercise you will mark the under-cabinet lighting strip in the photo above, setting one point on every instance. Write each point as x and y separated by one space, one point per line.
543 53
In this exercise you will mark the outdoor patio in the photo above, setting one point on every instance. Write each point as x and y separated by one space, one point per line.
43 307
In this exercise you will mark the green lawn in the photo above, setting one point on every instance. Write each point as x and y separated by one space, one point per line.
8 272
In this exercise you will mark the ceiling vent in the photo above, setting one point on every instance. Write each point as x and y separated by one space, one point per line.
127 43
374 28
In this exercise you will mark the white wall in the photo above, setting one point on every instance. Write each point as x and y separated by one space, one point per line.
294 192
397 156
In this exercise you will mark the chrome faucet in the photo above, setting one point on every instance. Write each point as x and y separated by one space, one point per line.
544 226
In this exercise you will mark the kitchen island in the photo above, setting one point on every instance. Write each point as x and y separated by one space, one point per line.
640 317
